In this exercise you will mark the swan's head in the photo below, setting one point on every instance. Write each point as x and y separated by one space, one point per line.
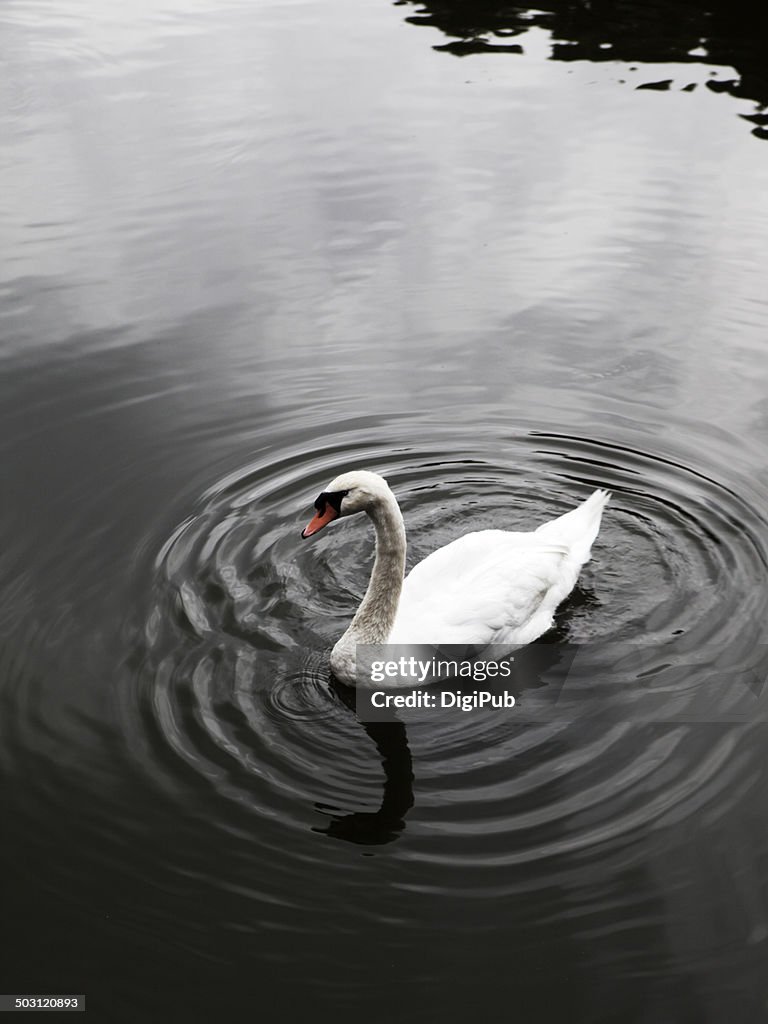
357 491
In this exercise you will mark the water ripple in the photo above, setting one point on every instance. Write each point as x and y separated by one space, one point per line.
234 653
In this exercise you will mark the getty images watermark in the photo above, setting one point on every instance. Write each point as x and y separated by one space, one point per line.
560 681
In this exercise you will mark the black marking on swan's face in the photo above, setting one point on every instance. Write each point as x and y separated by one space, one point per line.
332 498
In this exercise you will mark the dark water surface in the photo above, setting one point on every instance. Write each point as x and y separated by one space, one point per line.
248 245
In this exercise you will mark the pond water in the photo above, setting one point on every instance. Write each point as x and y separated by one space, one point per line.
502 255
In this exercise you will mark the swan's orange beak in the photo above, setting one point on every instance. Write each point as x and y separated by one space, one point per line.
320 520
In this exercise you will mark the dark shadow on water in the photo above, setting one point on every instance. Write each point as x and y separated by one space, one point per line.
722 34
375 828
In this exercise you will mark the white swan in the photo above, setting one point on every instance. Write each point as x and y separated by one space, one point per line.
489 587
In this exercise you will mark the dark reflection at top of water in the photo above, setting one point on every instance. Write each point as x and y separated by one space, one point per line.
721 34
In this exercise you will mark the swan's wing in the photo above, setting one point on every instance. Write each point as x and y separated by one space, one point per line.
466 554
484 588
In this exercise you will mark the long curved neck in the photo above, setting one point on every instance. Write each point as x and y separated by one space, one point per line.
375 617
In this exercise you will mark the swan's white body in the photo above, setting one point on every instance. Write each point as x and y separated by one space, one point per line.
489 587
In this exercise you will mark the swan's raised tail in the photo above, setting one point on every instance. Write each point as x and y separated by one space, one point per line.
578 528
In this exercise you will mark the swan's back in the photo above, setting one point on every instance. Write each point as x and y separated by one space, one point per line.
496 586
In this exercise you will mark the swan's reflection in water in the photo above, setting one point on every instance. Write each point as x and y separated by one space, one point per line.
375 828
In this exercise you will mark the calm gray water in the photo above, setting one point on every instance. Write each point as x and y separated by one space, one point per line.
502 255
